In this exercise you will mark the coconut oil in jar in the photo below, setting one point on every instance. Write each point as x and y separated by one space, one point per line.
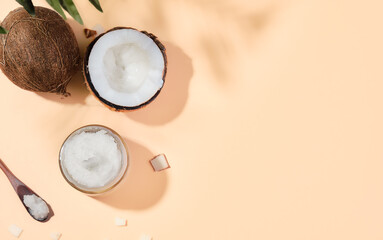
94 159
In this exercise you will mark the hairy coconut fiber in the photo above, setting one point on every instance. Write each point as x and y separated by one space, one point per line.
40 53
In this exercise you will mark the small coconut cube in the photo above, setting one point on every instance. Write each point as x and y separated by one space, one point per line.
160 162
55 235
89 33
146 237
15 230
120 221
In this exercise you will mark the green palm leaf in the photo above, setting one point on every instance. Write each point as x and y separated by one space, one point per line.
28 5
3 31
69 6
55 4
96 3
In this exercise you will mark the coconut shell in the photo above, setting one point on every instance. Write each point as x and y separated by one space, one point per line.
89 33
40 53
92 89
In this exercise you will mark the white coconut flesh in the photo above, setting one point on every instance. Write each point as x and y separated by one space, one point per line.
126 67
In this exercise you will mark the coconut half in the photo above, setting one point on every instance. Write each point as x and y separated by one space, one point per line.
125 68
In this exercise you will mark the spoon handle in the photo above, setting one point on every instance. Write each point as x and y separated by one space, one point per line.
15 182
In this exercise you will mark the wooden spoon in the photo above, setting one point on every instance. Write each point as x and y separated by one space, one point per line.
22 190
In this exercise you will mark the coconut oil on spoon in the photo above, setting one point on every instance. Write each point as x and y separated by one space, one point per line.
35 205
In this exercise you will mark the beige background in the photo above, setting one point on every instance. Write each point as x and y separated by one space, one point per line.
271 118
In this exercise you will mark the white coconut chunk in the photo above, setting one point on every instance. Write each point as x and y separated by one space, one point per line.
120 221
160 163
99 29
15 230
145 237
126 67
55 235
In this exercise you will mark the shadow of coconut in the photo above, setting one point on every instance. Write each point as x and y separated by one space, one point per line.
142 188
76 88
82 41
173 97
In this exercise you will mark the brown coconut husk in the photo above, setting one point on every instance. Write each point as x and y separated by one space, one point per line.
40 53
88 79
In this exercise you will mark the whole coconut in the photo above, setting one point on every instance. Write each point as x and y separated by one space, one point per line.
40 53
